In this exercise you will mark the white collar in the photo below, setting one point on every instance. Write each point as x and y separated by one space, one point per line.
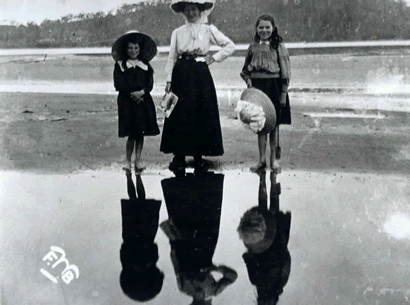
133 63
264 42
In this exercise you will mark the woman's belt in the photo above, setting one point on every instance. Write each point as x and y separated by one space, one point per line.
196 57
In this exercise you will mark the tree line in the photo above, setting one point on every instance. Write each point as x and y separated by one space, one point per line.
297 21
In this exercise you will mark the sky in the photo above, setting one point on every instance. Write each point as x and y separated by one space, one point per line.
24 11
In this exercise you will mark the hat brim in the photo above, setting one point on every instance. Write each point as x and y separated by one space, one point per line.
258 97
148 47
179 7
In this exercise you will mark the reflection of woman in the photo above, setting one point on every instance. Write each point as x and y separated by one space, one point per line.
140 278
194 209
193 128
265 234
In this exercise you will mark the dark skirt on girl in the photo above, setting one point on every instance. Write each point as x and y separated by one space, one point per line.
136 119
272 87
193 127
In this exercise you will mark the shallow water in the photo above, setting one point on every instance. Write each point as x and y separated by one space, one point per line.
344 245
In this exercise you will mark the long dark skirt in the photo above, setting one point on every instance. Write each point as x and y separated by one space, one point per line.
194 204
193 128
136 119
272 87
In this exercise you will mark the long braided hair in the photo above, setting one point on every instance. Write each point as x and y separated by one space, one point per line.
274 39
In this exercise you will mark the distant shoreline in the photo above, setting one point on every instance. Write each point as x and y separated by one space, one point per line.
300 46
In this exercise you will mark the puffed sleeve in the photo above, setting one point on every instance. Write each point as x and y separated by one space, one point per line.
227 46
284 62
172 57
121 83
245 74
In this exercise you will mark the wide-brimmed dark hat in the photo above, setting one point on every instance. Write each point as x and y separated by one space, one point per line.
257 97
148 47
178 6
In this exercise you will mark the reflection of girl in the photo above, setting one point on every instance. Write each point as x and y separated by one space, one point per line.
265 233
140 279
193 128
194 209
133 78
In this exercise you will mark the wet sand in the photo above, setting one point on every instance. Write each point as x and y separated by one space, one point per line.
343 248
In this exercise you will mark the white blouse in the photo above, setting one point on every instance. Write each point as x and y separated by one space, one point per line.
196 38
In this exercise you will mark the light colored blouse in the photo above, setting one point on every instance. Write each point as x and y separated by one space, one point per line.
194 38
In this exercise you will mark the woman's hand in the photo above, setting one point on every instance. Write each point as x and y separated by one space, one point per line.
283 99
137 95
249 83
168 87
209 60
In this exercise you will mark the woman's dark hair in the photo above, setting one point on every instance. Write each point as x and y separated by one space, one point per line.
274 39
180 6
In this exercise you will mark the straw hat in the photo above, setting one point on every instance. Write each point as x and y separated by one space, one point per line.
148 47
269 236
178 6
257 230
257 97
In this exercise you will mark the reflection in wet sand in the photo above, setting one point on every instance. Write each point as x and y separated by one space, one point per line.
140 278
340 251
194 208
265 233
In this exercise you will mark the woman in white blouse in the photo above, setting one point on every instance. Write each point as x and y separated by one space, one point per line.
193 128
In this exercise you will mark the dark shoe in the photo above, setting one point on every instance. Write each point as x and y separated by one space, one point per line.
177 165
179 172
201 167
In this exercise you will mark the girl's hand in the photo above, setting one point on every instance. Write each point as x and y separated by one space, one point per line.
137 95
168 87
283 99
249 83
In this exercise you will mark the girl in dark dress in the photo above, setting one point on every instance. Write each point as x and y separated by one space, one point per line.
133 78
193 128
